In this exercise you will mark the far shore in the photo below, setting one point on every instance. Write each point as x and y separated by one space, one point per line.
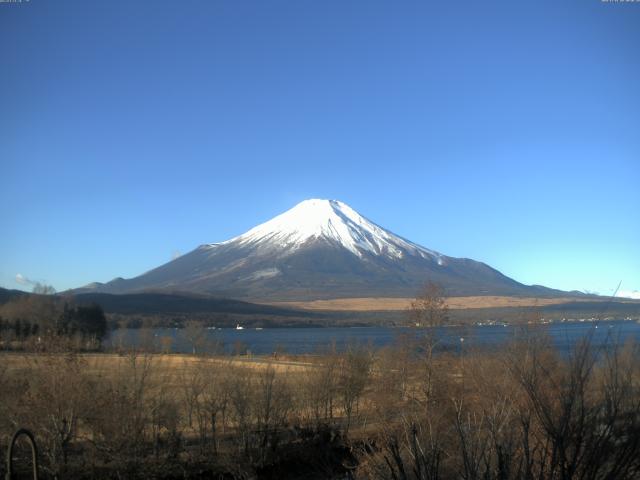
454 303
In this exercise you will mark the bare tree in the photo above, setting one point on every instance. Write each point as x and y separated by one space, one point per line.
121 413
273 404
215 396
429 308
353 378
319 385
194 333
43 289
586 410
192 385
54 401
240 389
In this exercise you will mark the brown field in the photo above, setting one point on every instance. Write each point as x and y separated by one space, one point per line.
175 363
141 415
391 304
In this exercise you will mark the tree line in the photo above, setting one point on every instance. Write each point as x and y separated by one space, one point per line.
33 319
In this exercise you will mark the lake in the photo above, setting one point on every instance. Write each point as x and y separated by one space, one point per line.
312 340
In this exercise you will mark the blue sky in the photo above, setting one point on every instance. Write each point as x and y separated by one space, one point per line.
507 132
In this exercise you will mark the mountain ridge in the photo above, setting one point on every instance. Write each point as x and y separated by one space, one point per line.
318 249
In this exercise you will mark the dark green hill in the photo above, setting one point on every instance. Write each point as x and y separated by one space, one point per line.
7 295
160 303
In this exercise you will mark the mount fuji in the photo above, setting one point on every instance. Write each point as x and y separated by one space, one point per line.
319 249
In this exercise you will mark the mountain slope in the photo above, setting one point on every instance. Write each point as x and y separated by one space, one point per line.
318 249
8 295
158 303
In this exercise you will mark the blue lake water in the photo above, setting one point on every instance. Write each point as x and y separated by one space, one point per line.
313 340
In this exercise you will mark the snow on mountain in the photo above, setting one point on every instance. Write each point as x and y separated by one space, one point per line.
319 249
332 221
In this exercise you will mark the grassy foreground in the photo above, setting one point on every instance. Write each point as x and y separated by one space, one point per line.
401 412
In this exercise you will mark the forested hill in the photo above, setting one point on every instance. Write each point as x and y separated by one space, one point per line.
154 303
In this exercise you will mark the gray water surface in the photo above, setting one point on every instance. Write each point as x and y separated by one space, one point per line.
315 340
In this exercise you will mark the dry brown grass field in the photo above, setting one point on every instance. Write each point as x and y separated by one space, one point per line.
168 365
364 413
454 303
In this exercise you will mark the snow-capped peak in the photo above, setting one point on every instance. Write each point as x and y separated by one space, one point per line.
330 220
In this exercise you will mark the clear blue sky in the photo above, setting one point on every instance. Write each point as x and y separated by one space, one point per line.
507 132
